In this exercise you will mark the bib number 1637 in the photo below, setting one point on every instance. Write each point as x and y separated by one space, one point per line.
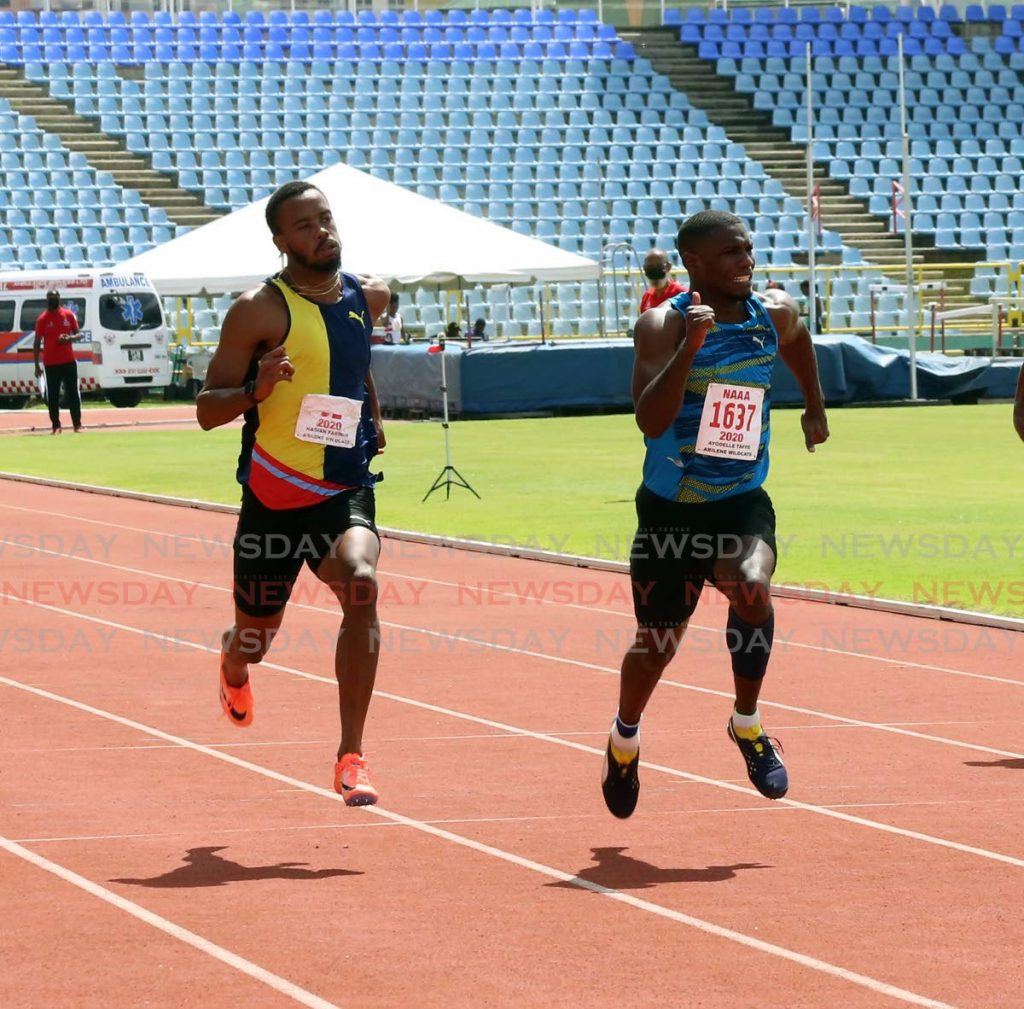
733 416
730 423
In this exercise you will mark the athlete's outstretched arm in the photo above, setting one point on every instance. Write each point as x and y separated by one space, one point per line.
797 350
255 323
665 345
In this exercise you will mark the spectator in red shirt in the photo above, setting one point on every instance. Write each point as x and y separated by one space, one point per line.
56 329
658 270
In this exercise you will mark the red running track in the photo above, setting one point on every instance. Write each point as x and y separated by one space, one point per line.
169 417
153 854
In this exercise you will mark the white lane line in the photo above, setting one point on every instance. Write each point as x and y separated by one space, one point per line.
689 811
709 928
716 783
213 831
542 656
568 743
207 541
239 963
159 746
621 614
857 723
718 631
450 738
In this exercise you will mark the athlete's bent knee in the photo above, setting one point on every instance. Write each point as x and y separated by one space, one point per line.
752 593
361 588
655 647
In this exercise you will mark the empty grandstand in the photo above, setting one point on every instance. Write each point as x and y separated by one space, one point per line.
122 130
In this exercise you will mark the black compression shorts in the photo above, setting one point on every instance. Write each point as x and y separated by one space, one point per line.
271 545
676 547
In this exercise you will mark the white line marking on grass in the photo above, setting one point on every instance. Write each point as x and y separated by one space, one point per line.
700 779
239 963
709 928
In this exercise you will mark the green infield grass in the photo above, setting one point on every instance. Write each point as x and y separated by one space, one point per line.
911 503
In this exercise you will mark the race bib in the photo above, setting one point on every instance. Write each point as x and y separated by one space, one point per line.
328 420
730 424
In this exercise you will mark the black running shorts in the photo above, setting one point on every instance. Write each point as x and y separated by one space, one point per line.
271 545
676 547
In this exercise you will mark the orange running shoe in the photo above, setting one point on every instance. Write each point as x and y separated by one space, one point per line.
236 701
352 780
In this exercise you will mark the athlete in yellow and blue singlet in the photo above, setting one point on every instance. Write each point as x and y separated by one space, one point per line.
702 393
292 352
329 346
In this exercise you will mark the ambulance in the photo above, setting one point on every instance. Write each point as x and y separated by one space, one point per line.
123 335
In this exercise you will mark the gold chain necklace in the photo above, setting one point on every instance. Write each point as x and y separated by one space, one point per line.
313 292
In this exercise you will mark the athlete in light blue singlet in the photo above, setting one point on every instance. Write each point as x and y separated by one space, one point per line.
702 394
740 354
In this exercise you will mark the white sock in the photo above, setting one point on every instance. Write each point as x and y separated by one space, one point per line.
624 744
746 721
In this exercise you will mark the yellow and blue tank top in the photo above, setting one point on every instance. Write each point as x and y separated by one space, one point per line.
329 345
735 353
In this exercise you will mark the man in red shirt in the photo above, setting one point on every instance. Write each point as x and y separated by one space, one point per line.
657 270
56 329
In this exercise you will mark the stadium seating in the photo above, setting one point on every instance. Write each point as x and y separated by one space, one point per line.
965 101
57 211
546 123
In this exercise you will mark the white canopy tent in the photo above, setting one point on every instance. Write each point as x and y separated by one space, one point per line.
386 231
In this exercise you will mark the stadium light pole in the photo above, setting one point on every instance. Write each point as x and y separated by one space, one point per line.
909 301
812 298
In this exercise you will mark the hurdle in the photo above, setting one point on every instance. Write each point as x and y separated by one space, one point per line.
995 311
874 290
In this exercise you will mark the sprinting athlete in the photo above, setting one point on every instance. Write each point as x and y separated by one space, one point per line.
702 394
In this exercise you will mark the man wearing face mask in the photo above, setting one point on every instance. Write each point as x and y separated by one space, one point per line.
657 270
294 360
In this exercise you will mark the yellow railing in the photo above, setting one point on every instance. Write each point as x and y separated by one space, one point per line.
945 284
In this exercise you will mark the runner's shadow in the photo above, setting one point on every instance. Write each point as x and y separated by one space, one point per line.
623 872
1013 762
203 867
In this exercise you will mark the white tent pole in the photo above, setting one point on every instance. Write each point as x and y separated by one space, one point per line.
909 301
812 294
